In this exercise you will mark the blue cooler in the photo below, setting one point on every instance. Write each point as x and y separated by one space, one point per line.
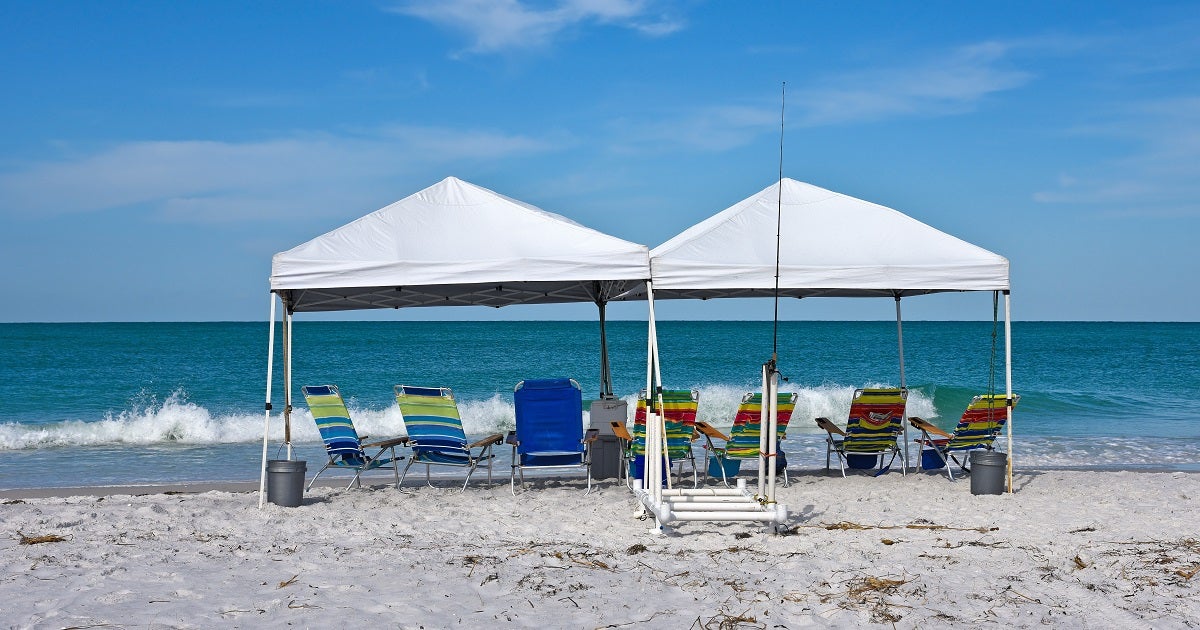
732 466
861 461
930 460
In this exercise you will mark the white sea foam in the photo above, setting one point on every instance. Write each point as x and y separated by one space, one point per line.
176 420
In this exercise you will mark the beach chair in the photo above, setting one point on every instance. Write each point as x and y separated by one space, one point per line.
343 445
625 439
679 416
876 420
435 433
743 443
549 433
980 424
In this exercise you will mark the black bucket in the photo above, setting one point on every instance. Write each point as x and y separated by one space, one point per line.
987 472
285 481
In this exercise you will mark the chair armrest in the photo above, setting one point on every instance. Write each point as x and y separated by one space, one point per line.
494 438
829 426
621 431
710 431
511 439
382 444
591 435
927 427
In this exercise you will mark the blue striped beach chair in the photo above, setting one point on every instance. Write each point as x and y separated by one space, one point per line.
549 433
876 420
342 443
435 432
980 424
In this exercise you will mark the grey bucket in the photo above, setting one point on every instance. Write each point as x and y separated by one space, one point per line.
285 481
987 472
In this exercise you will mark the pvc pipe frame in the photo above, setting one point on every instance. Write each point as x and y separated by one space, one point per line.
672 504
1008 382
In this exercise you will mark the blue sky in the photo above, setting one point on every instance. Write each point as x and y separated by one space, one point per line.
156 155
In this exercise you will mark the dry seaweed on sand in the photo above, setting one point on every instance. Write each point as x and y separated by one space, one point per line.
36 540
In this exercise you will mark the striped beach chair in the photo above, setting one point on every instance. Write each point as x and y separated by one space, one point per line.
436 435
743 441
679 416
980 424
876 420
342 443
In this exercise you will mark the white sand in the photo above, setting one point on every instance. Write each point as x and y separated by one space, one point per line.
1069 549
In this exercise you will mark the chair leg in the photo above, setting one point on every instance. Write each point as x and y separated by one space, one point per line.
405 474
314 479
512 479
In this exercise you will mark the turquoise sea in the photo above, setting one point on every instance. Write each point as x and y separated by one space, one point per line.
128 403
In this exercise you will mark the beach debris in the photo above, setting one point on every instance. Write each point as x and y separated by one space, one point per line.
888 541
1082 530
635 549
847 525
1188 574
290 581
37 540
1080 562
14 501
742 535
725 621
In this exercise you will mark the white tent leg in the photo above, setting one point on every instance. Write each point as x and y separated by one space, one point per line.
900 342
262 479
287 380
1008 382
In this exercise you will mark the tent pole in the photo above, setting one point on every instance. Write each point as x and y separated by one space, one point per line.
287 379
660 438
606 388
1008 382
900 341
262 479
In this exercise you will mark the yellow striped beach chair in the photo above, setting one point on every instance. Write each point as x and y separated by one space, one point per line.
743 441
875 422
982 421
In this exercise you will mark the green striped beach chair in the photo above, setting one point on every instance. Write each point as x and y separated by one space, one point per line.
875 422
980 424
342 443
435 432
743 443
679 415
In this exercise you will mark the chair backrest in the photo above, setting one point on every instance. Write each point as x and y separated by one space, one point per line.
981 422
333 422
431 419
746 433
875 419
679 415
549 416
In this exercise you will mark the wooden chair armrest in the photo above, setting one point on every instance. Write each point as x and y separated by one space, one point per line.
621 431
494 438
710 431
829 426
927 427
591 435
382 444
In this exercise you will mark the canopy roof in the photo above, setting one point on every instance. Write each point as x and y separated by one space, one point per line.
456 243
830 244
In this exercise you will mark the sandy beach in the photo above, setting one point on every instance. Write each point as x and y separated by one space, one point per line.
1068 549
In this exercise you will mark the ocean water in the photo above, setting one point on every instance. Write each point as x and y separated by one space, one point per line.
128 403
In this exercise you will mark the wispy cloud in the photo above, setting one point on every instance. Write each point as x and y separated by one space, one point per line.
948 84
223 181
1156 178
495 26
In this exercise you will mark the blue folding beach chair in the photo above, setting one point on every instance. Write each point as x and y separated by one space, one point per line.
550 431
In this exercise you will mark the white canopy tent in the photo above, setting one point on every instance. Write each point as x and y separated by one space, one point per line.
452 244
798 240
